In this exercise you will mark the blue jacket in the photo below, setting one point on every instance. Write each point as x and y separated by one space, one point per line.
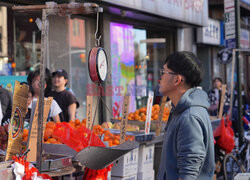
188 146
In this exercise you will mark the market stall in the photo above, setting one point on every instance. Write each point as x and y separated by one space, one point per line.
125 145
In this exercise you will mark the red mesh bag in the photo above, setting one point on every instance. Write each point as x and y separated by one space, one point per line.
226 136
78 139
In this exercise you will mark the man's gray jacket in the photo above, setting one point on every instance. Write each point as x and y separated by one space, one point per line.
188 145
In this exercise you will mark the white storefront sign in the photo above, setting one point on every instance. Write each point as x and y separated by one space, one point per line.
229 12
244 39
210 34
189 11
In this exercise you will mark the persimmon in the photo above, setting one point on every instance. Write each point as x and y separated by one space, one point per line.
25 132
110 143
116 142
137 112
143 118
51 125
106 138
155 117
51 140
77 122
156 106
47 134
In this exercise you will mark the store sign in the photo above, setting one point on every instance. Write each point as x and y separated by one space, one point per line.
229 13
244 39
210 34
190 11
225 56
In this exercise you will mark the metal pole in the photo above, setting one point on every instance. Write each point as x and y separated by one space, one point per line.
237 33
41 95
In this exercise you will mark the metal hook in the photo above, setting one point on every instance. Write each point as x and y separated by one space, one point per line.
97 40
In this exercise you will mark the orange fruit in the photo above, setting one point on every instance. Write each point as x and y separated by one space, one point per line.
155 117
143 118
106 138
47 134
51 140
25 132
51 125
77 122
156 106
116 142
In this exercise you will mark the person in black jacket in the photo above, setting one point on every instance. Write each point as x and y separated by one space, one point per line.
65 99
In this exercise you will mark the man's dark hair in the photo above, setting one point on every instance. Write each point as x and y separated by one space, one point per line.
186 64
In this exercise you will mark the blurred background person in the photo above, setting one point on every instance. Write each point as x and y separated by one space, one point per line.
214 96
65 99
6 105
34 79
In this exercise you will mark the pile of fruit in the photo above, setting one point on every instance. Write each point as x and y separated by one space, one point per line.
140 114
130 127
3 137
105 135
112 139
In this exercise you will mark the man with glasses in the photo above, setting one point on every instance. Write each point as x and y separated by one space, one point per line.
188 149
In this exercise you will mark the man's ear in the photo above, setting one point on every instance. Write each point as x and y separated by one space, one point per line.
178 80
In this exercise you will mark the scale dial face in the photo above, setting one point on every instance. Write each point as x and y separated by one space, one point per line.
102 64
98 65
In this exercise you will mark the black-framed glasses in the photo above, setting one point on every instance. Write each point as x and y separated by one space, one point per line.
162 71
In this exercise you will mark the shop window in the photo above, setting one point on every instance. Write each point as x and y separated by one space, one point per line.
28 43
122 64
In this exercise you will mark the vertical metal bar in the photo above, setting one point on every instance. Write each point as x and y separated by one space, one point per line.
70 56
14 32
237 33
41 95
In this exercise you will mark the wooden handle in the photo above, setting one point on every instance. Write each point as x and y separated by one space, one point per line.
223 92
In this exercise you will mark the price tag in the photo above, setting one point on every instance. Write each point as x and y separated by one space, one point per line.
149 111
158 128
89 111
124 120
32 141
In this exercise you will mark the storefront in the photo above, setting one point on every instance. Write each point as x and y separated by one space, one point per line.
245 44
136 36
139 37
210 42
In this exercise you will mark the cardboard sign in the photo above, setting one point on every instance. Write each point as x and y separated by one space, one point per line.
19 109
149 111
158 128
124 120
89 112
32 142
